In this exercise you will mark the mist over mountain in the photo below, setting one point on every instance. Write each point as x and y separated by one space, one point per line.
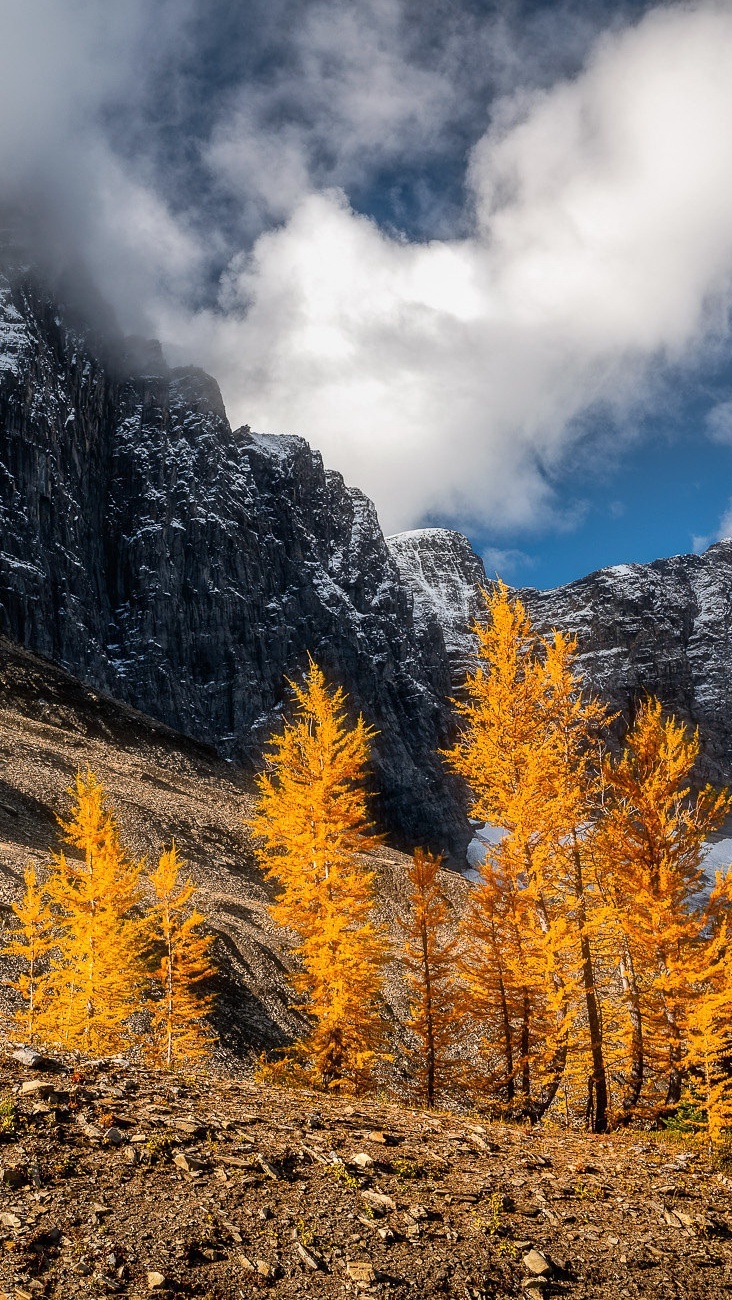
188 568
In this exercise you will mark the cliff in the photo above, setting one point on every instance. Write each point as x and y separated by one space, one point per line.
189 569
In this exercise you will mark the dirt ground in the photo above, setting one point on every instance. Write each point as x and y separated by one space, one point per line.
117 1181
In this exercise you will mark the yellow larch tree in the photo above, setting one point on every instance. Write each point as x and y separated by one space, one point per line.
96 970
429 961
313 827
179 1032
708 1058
572 750
529 752
31 939
652 867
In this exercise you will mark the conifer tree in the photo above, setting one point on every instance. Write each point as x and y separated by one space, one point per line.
429 961
708 1056
313 825
526 754
652 867
178 1033
95 972
31 939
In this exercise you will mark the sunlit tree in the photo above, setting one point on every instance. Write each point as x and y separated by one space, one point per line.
313 828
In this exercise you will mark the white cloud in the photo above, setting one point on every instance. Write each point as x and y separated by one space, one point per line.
719 423
725 524
451 375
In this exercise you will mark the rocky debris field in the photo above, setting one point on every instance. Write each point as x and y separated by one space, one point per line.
124 1182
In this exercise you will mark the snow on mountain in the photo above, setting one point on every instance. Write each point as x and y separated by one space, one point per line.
189 569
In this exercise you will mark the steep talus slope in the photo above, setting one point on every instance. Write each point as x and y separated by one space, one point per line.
187 568
664 628
162 786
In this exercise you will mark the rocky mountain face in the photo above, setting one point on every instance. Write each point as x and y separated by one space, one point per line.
444 575
187 568
664 628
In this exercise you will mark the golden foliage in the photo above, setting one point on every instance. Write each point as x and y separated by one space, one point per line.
30 940
313 827
583 941
178 1032
86 925
94 981
429 960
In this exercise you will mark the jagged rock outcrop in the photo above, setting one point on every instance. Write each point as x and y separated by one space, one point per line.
186 568
664 628
444 575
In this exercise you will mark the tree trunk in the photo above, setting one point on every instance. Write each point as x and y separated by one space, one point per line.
594 1023
636 1073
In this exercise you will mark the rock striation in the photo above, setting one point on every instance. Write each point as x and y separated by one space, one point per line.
187 568
664 627
444 575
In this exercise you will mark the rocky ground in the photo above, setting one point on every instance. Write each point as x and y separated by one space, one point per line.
117 1181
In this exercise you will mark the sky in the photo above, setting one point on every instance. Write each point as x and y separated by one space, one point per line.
479 255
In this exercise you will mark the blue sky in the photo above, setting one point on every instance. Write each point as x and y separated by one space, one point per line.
479 255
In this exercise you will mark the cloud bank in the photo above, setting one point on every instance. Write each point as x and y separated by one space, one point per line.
588 250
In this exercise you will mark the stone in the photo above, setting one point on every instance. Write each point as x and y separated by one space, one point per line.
114 1136
361 1160
264 1269
37 1088
537 1263
361 1271
378 1203
191 1164
155 1280
306 1256
266 1168
9 1220
92 1132
34 1060
190 1127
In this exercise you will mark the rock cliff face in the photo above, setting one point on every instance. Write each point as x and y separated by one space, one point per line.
444 575
664 627
187 568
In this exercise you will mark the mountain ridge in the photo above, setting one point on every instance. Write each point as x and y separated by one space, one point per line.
663 628
189 568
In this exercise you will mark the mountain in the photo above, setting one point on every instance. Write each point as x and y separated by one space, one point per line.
187 568
664 628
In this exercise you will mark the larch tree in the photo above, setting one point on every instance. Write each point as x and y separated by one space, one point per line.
529 753
313 828
95 972
429 961
572 752
652 868
708 1058
179 1032
31 939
